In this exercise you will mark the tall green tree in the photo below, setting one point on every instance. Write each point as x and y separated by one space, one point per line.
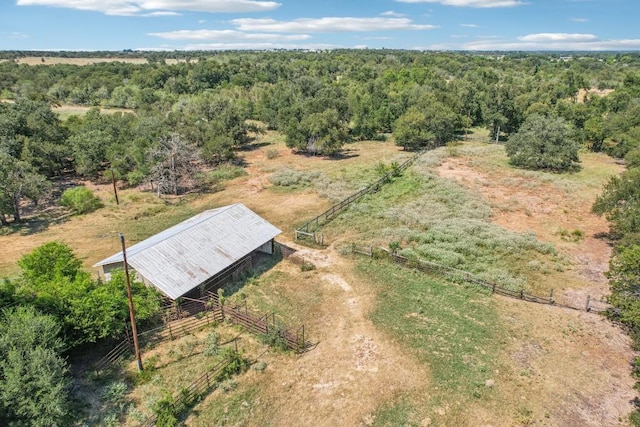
34 382
319 133
412 130
620 203
18 181
88 310
543 142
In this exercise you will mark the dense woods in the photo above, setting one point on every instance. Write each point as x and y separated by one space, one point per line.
174 121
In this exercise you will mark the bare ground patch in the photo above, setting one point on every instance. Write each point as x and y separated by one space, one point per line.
567 368
353 370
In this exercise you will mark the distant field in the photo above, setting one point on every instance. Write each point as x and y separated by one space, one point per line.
64 111
50 60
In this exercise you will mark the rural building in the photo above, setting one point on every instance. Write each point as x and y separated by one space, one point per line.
200 253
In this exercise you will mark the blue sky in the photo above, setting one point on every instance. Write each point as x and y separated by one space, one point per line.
319 24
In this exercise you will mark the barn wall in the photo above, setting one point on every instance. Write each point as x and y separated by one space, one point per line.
267 248
108 269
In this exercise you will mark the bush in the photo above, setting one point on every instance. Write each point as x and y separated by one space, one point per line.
272 153
212 344
226 171
81 200
307 266
276 338
293 178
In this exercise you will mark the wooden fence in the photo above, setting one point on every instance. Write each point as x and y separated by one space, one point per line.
169 331
211 311
456 274
308 229
190 394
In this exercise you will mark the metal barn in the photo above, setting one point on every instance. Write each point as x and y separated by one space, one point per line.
199 253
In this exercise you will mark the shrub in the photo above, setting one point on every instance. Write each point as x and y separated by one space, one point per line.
307 266
293 178
276 338
212 344
135 177
226 171
81 200
272 153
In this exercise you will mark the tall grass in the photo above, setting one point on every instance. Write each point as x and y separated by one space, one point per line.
439 220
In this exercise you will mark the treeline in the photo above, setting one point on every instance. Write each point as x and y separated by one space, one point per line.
181 116
50 310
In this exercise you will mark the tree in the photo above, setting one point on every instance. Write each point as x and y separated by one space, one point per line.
620 203
34 383
90 151
174 163
318 133
18 180
624 280
87 310
543 142
49 261
595 132
412 131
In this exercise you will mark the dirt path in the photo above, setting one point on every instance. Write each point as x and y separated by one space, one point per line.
354 369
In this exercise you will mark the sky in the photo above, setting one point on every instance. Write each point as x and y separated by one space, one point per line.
584 25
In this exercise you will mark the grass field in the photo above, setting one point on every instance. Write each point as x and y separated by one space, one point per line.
396 347
66 111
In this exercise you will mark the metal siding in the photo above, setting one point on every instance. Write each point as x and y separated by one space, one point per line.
178 259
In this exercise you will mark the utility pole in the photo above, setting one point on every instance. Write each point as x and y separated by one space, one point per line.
115 189
132 315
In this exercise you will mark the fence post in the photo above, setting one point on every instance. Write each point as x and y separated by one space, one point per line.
586 307
521 293
170 330
551 297
493 289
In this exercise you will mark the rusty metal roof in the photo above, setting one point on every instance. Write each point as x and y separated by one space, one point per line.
180 258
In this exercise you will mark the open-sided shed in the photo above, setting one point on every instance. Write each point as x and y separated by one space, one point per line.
193 253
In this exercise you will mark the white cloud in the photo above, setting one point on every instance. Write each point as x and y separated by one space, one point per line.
560 41
226 35
245 46
470 3
138 7
328 24
18 35
579 19
392 13
162 13
469 25
557 37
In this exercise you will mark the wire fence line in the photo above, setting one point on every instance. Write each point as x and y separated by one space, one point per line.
590 304
308 229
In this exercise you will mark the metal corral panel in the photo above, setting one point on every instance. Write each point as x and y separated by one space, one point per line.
180 258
